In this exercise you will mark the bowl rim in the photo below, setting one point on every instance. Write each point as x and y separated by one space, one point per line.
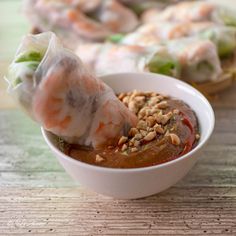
147 168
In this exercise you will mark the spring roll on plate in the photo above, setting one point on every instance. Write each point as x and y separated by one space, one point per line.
152 33
192 11
55 89
115 16
110 58
224 37
69 23
191 59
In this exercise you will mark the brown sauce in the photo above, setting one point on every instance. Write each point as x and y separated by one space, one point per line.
161 149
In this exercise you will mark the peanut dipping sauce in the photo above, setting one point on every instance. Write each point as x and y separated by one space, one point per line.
167 129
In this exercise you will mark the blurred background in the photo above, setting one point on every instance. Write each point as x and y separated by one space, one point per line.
13 25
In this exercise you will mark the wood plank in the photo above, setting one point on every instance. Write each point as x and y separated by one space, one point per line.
27 161
73 211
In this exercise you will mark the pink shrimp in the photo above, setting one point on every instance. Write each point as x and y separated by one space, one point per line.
153 33
116 17
86 27
183 11
67 19
84 5
150 15
111 122
110 58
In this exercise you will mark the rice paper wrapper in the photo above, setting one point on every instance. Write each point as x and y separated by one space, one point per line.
57 91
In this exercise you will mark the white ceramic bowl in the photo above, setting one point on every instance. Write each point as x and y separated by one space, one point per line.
141 182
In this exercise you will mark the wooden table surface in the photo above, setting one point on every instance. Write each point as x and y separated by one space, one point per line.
38 198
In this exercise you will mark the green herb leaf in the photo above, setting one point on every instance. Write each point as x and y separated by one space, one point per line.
29 56
115 38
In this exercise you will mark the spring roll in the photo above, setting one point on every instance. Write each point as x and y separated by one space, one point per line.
139 6
55 89
193 11
113 58
115 16
84 5
223 37
152 33
69 23
198 59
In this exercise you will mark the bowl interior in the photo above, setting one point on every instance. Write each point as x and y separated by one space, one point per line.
165 85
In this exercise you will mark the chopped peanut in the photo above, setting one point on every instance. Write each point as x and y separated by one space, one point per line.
159 129
151 121
150 136
133 132
99 158
122 140
143 133
174 139
133 107
124 147
176 111
136 143
142 125
138 136
166 118
134 149
125 100
121 96
162 105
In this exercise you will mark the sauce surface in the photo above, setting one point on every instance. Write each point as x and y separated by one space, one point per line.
162 148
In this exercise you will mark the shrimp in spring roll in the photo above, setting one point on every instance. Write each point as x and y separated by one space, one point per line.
191 59
153 33
84 5
139 6
224 37
192 11
55 89
115 16
114 58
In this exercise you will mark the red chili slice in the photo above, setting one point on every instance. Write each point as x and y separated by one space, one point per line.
190 141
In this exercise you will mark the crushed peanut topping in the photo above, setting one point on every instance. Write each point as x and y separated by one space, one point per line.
159 129
134 149
122 140
138 136
133 132
154 117
142 125
124 147
176 111
162 105
99 158
150 136
175 140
